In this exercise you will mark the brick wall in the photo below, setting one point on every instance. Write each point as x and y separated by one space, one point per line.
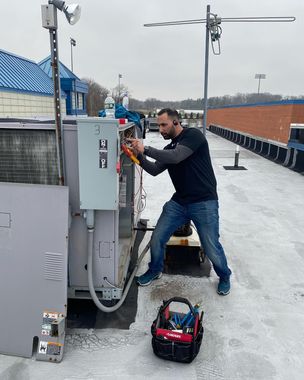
270 121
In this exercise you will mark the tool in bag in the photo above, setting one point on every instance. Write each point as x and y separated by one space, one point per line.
177 336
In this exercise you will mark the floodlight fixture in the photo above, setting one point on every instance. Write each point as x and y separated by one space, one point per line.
259 77
72 12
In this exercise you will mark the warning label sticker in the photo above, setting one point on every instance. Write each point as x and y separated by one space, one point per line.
48 318
50 348
53 348
49 315
42 347
45 331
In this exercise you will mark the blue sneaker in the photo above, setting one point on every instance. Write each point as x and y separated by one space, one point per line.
223 287
146 278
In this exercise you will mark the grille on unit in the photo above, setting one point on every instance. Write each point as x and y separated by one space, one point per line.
28 156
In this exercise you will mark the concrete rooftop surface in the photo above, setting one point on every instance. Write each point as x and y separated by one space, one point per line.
256 332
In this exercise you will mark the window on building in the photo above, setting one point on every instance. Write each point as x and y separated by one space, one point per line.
80 100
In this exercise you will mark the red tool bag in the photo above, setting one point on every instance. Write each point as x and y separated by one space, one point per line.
177 336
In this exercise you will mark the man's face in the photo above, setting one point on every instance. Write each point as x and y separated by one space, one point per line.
166 126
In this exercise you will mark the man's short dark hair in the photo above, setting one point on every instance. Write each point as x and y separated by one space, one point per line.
173 114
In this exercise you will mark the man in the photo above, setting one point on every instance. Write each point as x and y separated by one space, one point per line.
188 162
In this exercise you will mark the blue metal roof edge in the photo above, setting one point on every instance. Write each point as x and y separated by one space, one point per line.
71 75
8 89
45 65
17 56
21 74
261 104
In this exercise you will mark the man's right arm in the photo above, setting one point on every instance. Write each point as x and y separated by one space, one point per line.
153 168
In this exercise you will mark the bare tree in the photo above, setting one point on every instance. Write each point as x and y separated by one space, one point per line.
95 97
118 91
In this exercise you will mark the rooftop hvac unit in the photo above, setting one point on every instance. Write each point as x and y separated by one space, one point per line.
43 228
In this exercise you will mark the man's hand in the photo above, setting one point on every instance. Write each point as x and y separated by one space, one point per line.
136 145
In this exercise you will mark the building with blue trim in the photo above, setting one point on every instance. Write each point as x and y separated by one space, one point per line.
75 89
26 91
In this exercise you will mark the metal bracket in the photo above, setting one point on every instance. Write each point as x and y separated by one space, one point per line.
102 293
111 293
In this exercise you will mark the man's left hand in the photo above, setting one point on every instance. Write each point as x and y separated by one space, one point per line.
137 145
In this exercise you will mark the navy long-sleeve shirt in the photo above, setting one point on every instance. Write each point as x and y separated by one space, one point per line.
188 162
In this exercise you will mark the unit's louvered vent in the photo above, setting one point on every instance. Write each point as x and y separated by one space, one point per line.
53 266
28 156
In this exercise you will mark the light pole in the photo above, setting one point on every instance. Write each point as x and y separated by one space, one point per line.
206 69
259 77
212 22
49 21
119 77
73 43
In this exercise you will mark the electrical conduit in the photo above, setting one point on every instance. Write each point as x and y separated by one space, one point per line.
106 309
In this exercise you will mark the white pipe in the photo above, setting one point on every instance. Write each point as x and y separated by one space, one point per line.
236 156
106 309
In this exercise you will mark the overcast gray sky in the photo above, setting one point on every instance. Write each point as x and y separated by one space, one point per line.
167 62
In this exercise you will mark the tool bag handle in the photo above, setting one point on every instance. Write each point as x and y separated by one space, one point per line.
178 299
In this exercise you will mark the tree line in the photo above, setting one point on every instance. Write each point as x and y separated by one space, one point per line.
97 94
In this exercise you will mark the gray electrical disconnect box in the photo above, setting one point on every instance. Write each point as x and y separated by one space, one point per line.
106 181
98 152
33 262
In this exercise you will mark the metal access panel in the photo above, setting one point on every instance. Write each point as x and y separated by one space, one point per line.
98 151
33 262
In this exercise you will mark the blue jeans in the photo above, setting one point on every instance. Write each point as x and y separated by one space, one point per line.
206 220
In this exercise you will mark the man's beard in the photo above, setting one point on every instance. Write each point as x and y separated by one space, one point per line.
169 135
166 136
